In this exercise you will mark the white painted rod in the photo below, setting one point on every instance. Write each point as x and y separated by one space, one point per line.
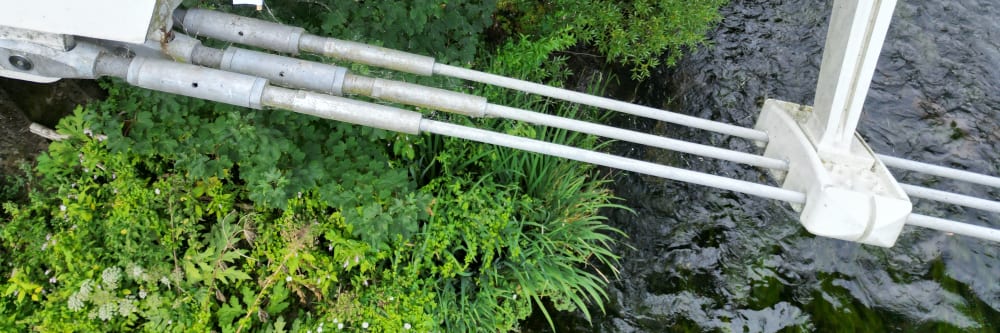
600 102
951 198
634 137
940 171
965 229
617 162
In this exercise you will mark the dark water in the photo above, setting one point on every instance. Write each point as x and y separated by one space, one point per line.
710 260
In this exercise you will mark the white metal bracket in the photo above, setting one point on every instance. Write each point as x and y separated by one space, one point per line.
850 194
849 201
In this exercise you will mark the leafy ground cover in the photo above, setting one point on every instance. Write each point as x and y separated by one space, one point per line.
194 216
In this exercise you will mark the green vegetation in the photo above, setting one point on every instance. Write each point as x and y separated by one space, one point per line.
192 216
637 33
12 187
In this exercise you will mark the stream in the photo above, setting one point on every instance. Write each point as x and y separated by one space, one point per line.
700 259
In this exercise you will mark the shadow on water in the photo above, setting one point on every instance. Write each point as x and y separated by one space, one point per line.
707 260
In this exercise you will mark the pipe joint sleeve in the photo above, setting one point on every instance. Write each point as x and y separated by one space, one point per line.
416 95
343 109
198 82
285 71
243 30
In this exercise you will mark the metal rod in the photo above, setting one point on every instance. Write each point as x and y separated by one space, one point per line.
635 137
966 229
600 102
302 74
951 198
617 162
416 95
249 31
940 171
342 109
264 34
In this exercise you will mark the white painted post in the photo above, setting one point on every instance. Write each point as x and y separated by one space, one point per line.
853 43
850 194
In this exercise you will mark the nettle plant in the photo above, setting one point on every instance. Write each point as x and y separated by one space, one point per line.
162 213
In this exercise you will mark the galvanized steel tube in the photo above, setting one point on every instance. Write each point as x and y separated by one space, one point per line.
207 56
343 109
416 95
368 54
240 29
195 81
285 71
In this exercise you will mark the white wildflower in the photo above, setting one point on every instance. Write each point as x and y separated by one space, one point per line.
126 307
364 325
85 289
142 294
75 303
288 278
62 208
406 326
136 272
157 191
340 326
106 311
319 329
111 276
53 280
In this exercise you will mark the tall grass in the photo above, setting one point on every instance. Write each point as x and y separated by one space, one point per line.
553 246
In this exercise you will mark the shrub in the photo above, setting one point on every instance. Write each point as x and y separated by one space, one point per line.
195 216
450 31
636 33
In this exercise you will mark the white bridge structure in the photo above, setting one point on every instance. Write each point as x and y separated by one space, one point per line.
842 188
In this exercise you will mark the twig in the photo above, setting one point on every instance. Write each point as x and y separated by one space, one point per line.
51 134
46 132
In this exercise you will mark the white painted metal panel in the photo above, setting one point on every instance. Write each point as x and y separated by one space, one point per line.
119 20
